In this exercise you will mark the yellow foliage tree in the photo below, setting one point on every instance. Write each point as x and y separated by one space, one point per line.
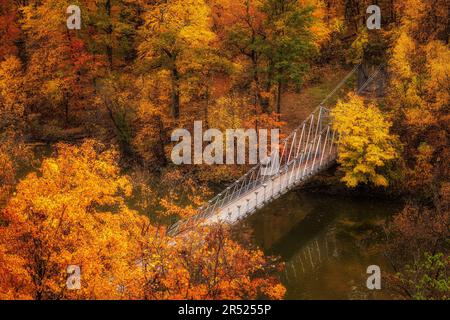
419 93
73 212
58 64
175 33
365 144
13 152
12 95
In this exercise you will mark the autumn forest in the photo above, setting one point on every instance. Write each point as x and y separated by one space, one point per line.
88 184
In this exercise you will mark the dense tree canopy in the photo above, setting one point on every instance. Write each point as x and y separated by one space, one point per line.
73 212
86 118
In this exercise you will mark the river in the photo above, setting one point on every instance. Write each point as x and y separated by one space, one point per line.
327 243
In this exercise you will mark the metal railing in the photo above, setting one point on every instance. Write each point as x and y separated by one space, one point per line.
310 148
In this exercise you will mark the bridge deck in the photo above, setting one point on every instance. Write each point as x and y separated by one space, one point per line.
256 198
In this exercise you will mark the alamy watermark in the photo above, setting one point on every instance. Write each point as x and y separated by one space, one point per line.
73 281
74 20
374 21
235 146
374 280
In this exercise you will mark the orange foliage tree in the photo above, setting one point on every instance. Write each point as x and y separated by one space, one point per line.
9 30
14 154
73 212
59 69
207 264
419 93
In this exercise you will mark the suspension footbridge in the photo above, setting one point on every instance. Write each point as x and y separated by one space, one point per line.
309 149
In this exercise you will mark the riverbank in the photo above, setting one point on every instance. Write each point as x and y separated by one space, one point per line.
329 183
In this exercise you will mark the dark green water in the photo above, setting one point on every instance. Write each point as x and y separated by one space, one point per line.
327 243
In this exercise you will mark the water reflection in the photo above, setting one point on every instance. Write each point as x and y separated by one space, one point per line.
311 256
323 242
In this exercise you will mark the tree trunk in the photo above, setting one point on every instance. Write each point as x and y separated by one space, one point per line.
258 98
207 97
109 31
279 93
66 110
175 108
362 75
161 151
265 102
